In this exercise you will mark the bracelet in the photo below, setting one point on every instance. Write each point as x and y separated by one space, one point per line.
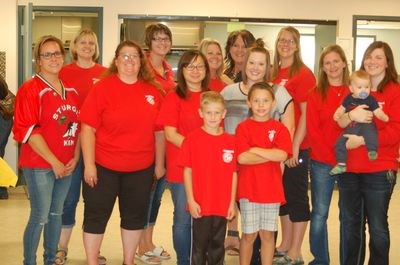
348 115
233 233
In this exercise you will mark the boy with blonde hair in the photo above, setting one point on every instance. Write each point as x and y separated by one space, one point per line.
210 180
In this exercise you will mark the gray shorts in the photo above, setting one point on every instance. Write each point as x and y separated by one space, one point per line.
258 216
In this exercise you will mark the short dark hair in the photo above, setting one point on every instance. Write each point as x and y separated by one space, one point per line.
152 29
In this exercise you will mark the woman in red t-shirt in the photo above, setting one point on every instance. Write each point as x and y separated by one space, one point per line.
366 188
290 72
81 74
322 131
180 115
158 38
119 148
213 52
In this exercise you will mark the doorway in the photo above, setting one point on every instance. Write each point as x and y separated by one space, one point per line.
62 22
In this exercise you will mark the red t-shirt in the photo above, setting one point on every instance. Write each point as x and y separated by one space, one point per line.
80 78
322 130
167 82
41 110
213 162
388 136
298 86
124 117
216 84
183 114
261 183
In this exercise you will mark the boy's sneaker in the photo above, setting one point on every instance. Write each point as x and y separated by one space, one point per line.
372 155
338 169
286 260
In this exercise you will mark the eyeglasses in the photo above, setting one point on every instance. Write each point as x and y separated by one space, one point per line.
48 55
166 40
286 41
127 56
199 67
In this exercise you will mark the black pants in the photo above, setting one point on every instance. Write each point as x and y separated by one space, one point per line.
208 240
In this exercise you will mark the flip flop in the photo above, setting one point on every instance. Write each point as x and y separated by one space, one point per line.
148 258
160 253
232 251
61 256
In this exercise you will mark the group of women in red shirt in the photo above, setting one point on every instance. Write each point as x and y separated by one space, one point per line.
128 123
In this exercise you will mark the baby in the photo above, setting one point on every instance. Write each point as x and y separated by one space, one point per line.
360 87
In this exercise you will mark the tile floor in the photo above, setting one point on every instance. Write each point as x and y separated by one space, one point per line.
14 213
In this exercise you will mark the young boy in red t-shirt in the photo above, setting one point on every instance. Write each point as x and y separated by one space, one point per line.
210 180
262 144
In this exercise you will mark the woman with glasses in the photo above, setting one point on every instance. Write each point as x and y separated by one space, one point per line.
290 72
180 115
119 150
81 74
158 39
46 125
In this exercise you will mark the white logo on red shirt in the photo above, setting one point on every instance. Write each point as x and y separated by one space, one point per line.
150 99
271 135
227 155
381 104
71 130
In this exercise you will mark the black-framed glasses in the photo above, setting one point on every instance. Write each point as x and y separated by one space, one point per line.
191 67
48 55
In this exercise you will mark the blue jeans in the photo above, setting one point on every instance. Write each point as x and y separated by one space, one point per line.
155 201
366 196
47 195
72 199
182 226
322 184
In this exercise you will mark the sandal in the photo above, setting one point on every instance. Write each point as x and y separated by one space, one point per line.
101 259
148 258
160 253
61 256
232 250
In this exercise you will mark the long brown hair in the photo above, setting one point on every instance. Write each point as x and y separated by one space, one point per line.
145 74
248 39
390 71
297 61
322 82
186 58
